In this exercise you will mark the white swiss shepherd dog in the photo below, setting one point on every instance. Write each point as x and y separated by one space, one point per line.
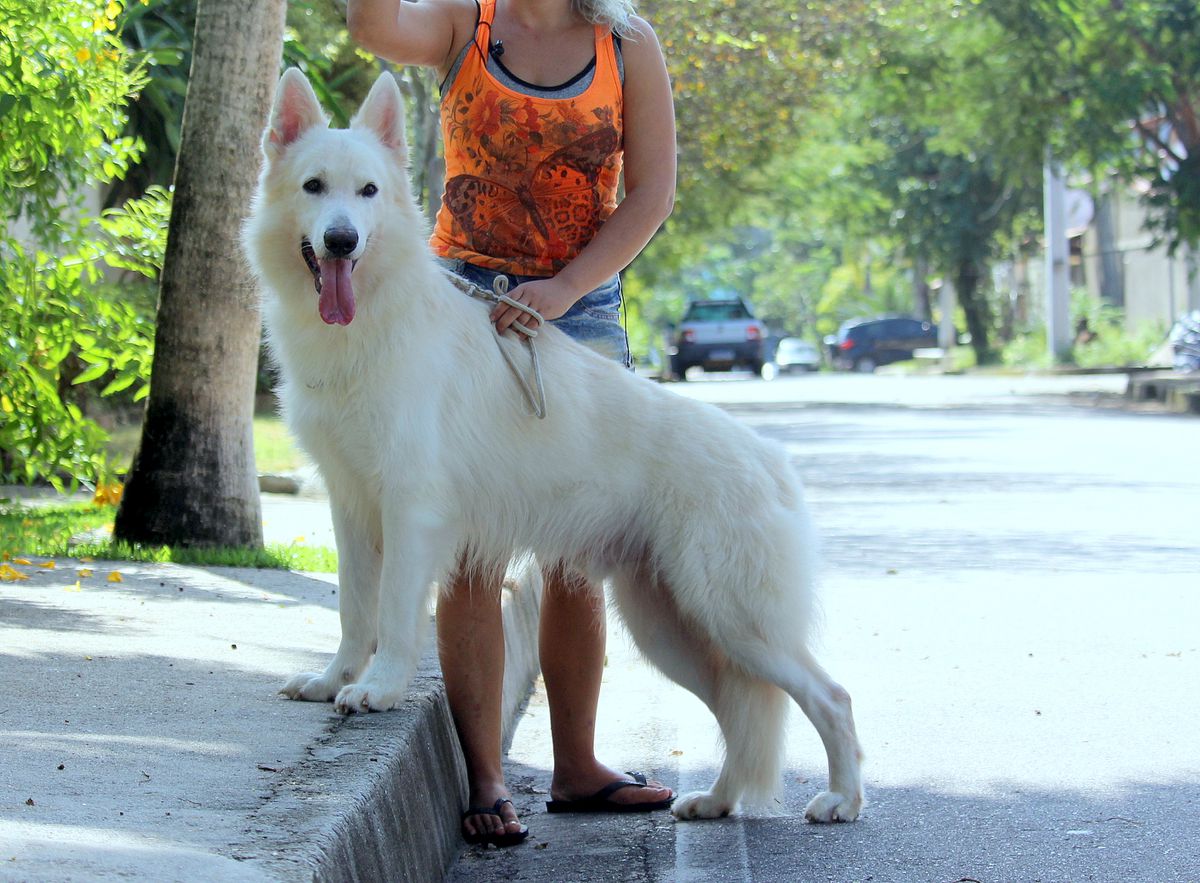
395 384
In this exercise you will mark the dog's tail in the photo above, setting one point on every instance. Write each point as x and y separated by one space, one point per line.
751 711
753 718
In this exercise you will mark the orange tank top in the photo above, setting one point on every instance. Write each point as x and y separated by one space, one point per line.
529 180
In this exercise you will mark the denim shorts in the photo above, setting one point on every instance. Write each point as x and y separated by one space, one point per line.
594 320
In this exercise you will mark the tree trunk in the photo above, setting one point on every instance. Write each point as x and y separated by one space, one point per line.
924 309
425 159
193 480
975 307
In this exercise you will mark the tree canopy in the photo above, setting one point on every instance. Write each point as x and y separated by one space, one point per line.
1119 86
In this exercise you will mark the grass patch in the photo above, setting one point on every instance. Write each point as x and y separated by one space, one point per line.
45 531
275 451
274 556
962 358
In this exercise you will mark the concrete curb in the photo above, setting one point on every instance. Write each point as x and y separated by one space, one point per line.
404 822
143 738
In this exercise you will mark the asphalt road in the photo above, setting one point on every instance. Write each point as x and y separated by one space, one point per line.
1011 595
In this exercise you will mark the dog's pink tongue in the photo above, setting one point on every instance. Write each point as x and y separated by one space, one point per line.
336 303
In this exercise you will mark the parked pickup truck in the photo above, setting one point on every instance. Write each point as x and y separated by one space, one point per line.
718 335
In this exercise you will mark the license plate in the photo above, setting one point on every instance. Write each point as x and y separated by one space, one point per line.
721 355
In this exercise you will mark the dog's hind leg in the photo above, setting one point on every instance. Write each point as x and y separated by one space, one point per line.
750 712
358 538
827 705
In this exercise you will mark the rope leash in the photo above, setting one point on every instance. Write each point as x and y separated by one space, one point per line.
535 395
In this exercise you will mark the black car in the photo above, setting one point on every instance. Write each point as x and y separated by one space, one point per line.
864 345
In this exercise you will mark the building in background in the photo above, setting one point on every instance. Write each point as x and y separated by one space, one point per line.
1117 261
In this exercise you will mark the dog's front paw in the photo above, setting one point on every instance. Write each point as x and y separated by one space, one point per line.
311 687
701 805
830 806
354 698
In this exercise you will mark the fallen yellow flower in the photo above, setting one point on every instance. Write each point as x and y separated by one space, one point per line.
9 574
108 494
24 561
85 571
48 565
115 577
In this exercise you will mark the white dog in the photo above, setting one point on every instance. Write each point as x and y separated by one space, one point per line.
395 383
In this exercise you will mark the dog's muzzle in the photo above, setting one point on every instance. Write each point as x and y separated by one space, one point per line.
331 275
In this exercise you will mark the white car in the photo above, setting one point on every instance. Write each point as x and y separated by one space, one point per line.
796 354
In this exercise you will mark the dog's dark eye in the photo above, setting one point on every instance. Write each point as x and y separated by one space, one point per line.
313 185
368 190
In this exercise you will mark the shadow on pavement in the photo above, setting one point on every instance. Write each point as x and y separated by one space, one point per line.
1141 832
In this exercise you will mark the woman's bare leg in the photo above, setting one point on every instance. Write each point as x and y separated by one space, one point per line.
471 647
571 643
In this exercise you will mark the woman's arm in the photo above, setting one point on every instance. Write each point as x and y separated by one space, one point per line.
428 32
649 168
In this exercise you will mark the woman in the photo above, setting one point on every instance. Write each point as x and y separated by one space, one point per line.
544 102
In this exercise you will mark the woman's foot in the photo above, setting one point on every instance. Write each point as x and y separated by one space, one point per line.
492 818
590 781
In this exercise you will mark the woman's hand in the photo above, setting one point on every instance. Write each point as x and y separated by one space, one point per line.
550 297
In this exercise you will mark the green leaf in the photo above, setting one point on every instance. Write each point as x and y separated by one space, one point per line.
123 382
96 370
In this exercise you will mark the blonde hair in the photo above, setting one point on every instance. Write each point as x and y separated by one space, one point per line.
614 14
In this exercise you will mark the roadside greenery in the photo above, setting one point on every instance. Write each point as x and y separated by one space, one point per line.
914 154
65 78
29 532
1115 86
91 99
1103 340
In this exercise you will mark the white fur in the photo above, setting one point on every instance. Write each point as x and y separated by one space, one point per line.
429 453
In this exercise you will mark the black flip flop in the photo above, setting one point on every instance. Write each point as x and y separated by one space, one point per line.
599 801
501 840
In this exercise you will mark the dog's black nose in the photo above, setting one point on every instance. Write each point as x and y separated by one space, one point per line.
340 241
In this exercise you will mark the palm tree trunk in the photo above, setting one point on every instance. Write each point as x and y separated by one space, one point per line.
193 480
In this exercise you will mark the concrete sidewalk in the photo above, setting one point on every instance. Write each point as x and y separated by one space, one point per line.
142 737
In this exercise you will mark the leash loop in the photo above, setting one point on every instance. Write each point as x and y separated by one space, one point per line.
535 394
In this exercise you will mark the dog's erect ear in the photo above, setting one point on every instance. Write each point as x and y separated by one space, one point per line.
295 111
383 114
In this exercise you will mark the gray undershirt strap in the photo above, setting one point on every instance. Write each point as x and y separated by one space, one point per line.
577 85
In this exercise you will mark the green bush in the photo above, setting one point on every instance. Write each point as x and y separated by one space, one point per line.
65 78
1106 342
1101 339
61 330
1028 350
